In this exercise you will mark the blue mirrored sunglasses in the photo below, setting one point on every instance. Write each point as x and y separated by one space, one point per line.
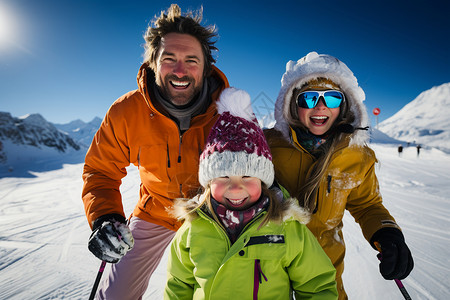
309 99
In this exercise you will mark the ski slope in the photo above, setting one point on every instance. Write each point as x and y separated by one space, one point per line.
44 232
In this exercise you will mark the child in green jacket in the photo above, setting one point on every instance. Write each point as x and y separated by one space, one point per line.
239 239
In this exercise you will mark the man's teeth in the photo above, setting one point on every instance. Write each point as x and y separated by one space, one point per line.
180 83
319 117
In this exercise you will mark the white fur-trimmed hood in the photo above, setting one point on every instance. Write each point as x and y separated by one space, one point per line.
314 66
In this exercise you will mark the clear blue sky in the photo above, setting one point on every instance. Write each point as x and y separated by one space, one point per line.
70 60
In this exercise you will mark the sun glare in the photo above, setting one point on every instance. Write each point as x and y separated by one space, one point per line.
9 30
6 25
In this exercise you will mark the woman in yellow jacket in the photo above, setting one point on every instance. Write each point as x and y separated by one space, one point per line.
320 157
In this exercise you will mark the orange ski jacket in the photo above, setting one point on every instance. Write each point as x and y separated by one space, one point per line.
135 132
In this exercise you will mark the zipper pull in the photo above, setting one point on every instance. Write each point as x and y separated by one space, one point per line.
179 149
257 280
168 157
329 184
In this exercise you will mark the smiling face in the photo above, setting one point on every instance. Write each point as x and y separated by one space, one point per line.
319 119
236 192
180 67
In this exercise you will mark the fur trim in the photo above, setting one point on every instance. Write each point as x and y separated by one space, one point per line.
296 212
184 209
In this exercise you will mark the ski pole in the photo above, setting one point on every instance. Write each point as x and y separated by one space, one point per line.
97 280
398 282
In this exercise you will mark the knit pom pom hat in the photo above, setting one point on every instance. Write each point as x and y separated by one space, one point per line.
236 145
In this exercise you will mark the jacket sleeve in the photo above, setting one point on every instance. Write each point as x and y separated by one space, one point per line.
311 272
365 202
180 269
104 167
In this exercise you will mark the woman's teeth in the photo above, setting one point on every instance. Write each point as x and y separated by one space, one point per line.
319 120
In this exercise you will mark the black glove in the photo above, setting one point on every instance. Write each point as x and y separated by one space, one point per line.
111 238
396 261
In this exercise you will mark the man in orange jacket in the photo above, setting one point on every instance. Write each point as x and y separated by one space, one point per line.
161 128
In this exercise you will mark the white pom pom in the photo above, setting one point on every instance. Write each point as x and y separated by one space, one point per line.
237 102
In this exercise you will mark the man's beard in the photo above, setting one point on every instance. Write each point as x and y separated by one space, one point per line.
183 96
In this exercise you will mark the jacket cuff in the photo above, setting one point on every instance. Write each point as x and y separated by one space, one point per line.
392 231
109 217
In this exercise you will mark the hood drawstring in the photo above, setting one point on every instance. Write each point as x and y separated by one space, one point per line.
347 128
257 278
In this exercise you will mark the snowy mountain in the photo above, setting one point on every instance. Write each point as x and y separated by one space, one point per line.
80 131
34 130
31 142
424 120
379 137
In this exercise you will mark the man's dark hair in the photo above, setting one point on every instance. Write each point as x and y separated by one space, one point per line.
173 21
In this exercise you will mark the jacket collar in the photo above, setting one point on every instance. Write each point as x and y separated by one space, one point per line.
183 115
295 141
147 91
145 72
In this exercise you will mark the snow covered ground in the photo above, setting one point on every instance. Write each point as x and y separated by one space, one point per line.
44 233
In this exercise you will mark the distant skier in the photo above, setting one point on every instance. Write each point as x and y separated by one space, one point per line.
418 149
400 150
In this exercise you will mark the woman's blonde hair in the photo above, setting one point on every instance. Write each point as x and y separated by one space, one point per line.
308 192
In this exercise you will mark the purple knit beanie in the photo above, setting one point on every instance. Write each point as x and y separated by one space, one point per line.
236 145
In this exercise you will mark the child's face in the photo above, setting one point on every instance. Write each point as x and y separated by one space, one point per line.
319 119
236 192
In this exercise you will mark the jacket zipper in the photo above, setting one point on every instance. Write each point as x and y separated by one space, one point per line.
257 278
168 157
258 273
179 161
329 184
179 148
179 158
179 151
146 201
329 177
